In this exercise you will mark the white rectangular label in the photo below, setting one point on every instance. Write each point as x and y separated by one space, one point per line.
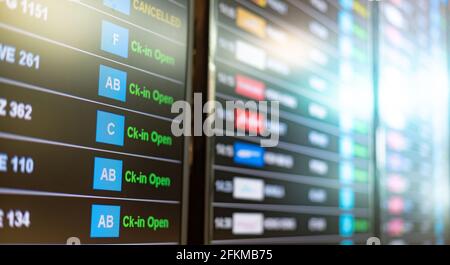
248 189
317 111
250 55
248 224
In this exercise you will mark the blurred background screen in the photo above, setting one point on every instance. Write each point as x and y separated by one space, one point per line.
363 151
413 121
315 58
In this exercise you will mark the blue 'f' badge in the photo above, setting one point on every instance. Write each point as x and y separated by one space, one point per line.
114 39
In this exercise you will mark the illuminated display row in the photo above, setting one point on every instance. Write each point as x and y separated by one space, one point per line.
85 134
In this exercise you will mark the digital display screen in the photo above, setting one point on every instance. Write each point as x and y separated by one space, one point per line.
314 58
86 149
327 122
413 131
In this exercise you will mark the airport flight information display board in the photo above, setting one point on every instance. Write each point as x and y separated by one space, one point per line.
315 185
413 134
86 148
